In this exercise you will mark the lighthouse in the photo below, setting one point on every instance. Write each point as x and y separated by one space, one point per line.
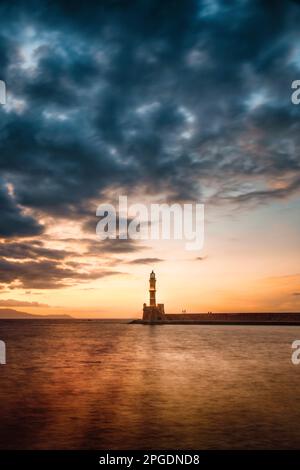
152 289
153 312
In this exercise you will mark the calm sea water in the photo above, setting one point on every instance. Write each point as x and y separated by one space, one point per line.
93 385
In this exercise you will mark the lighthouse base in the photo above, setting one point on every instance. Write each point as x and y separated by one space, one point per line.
154 314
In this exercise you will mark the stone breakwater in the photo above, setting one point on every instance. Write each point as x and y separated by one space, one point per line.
289 318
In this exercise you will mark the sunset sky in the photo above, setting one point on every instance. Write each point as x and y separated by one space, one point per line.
163 102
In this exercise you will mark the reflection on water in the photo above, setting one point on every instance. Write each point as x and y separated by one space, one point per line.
93 385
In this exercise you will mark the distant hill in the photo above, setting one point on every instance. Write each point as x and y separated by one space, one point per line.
9 313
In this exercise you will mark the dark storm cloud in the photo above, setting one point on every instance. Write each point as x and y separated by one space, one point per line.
277 193
45 274
13 220
169 98
145 261
31 249
111 246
